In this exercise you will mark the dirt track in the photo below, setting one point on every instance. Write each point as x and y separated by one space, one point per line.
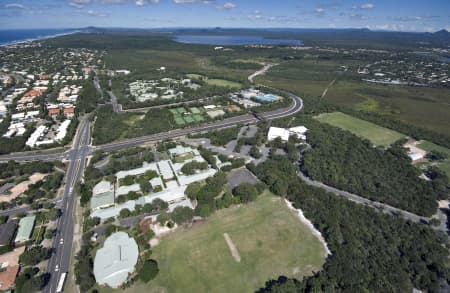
233 249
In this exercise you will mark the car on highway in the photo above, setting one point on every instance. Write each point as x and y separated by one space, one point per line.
61 241
56 268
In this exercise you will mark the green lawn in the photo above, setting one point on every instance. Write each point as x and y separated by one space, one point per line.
216 82
181 110
224 83
429 146
182 158
270 239
189 119
376 134
179 120
195 76
195 110
198 118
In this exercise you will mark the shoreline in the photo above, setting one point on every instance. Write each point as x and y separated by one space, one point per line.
30 40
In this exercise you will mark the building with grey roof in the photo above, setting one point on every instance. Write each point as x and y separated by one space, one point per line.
113 211
127 188
115 260
26 226
157 181
138 171
165 169
7 231
103 200
102 187
102 195
180 150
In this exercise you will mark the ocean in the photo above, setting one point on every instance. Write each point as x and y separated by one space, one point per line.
20 35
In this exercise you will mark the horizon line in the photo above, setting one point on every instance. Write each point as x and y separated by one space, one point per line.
220 27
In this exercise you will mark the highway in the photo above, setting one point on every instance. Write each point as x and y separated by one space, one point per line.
62 242
296 106
59 261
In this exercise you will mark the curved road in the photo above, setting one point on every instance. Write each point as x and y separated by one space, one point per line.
59 261
295 107
361 200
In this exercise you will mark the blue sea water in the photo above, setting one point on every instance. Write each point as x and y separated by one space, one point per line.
20 35
234 40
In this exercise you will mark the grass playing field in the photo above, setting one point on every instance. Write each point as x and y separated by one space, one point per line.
224 83
195 110
426 107
445 164
376 134
269 238
216 82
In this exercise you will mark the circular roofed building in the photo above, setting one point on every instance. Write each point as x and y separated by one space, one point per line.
115 260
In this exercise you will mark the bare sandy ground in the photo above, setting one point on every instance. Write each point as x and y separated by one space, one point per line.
233 249
21 187
12 257
311 227
412 146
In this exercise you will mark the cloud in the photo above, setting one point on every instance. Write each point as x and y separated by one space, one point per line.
91 12
366 6
386 27
358 16
82 3
229 6
412 18
14 6
192 1
143 2
76 5
256 15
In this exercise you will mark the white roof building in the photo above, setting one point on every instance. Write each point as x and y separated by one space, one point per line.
115 260
275 132
18 116
62 130
138 171
416 156
165 169
299 131
284 134
127 188
102 187
33 139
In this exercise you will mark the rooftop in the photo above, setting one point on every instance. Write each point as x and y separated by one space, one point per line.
26 226
102 187
115 260
6 232
102 200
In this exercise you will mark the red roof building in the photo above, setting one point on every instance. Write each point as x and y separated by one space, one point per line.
53 112
69 111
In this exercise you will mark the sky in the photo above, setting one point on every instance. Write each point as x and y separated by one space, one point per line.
398 15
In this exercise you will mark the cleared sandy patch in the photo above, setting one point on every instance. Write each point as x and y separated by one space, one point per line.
310 226
233 249
412 145
12 257
154 242
21 187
